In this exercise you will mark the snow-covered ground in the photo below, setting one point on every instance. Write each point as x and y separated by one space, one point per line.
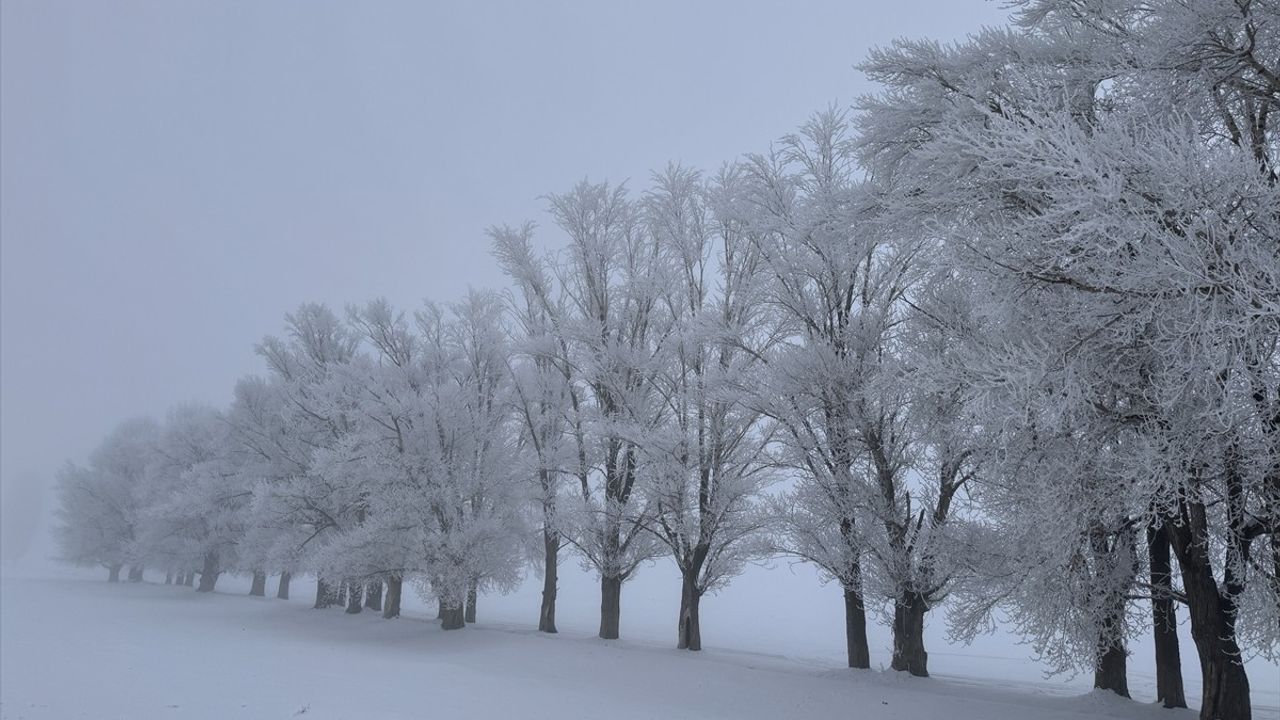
77 647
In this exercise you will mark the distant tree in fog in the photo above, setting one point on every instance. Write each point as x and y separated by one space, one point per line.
98 513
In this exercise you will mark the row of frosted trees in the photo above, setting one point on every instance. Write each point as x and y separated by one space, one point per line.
1005 337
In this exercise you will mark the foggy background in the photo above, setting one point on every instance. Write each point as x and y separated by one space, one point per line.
174 177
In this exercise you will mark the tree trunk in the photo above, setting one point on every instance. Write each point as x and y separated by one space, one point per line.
391 608
209 574
355 599
1225 694
135 573
908 634
180 579
1164 625
113 573
855 630
168 577
324 595
452 616
689 627
373 595
470 615
1111 667
282 590
610 606
550 578
439 608
259 586
190 578
1114 553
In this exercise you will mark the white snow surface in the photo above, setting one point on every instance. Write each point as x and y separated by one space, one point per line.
78 647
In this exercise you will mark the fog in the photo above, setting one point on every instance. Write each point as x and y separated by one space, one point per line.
177 176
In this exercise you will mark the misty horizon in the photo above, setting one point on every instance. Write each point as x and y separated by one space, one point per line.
176 179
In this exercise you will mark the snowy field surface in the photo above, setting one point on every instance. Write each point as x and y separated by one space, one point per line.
77 647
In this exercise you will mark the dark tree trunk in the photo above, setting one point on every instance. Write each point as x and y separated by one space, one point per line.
259 586
113 573
855 611
373 595
1164 621
908 634
1115 559
168 577
135 573
180 579
391 608
550 578
452 618
282 590
689 627
1111 667
324 594
209 574
610 606
439 609
1225 694
855 630
190 578
1275 544
355 599
472 592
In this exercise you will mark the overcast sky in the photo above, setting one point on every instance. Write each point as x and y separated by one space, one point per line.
175 176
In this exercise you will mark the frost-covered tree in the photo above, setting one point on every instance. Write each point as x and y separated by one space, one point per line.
194 504
1110 174
295 514
610 276
545 402
98 512
434 444
388 395
839 386
804 225
707 459
476 409
924 506
269 456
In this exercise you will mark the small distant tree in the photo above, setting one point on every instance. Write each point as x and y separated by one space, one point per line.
98 511
195 505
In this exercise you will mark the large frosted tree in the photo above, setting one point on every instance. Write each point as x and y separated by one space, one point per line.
1109 174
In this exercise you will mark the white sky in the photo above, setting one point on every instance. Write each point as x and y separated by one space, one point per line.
175 176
